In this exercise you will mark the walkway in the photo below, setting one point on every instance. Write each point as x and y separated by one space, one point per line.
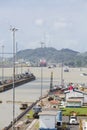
33 125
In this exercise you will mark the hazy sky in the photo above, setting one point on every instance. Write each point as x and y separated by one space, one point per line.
58 23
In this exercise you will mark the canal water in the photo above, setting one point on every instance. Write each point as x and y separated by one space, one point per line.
29 92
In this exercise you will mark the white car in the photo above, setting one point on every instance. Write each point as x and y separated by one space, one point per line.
73 120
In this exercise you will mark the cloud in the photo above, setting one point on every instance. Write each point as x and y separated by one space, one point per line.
72 42
39 22
61 20
62 24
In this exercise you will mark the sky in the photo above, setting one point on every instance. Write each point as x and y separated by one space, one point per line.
57 23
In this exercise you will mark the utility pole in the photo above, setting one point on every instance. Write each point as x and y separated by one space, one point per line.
2 62
62 74
2 46
51 82
42 44
13 32
16 58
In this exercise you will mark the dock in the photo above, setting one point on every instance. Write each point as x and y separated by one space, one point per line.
18 81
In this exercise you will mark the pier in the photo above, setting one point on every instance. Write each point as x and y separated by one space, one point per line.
18 81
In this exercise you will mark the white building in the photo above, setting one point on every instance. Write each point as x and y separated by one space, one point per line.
47 120
79 97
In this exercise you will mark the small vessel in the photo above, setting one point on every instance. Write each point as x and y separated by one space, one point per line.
0 101
66 70
24 106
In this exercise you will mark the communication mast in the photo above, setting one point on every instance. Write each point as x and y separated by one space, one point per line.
42 44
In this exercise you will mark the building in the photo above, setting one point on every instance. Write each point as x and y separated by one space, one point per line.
54 103
74 103
47 120
75 98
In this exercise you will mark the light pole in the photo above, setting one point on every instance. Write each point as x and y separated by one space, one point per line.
51 82
13 31
62 74
41 79
16 58
2 62
41 64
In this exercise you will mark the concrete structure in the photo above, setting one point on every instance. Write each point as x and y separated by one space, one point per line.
47 120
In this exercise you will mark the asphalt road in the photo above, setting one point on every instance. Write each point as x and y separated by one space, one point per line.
72 127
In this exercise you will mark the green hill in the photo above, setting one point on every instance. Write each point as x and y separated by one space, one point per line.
52 55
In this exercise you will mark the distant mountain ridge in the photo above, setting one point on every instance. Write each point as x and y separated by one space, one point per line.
67 56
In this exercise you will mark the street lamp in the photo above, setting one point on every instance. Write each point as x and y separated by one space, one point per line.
41 65
13 31
2 62
41 79
62 81
16 58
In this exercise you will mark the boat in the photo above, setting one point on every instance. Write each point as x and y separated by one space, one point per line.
24 106
0 101
66 70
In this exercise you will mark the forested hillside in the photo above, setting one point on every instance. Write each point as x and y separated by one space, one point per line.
52 55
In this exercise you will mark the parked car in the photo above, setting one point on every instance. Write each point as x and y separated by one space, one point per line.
73 120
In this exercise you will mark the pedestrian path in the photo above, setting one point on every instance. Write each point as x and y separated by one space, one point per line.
33 125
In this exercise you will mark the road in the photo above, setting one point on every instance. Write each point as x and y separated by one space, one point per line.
73 127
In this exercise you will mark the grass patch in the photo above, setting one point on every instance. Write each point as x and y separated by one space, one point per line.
37 125
80 111
31 112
